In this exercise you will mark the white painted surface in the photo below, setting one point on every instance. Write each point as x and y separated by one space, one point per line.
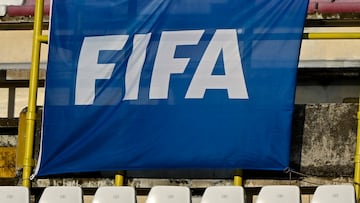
2 10
12 2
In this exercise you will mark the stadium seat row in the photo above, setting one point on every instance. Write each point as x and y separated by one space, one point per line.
180 194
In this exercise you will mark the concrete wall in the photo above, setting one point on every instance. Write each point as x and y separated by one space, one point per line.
322 149
329 139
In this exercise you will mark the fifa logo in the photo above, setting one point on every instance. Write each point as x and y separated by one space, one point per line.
223 41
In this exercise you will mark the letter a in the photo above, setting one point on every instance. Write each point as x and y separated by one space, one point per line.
233 79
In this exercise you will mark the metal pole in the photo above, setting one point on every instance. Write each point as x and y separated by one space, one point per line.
357 159
33 86
238 179
119 178
11 102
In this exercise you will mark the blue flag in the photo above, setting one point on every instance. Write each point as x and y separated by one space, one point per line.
162 84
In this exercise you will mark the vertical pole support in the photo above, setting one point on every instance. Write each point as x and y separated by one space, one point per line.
357 159
238 177
33 86
119 178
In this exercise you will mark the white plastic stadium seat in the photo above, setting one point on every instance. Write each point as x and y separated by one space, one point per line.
115 194
334 194
223 194
14 194
279 194
62 194
169 194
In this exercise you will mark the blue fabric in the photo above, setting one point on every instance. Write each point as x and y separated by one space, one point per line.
249 128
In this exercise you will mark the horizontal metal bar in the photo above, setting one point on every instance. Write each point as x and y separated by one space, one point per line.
332 35
19 83
332 22
43 38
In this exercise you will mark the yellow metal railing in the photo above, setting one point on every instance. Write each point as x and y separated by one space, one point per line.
238 178
357 158
38 38
332 35
119 178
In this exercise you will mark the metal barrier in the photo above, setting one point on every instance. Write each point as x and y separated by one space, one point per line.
11 86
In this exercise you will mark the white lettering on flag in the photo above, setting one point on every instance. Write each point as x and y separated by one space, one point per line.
223 41
135 65
166 64
89 70
233 79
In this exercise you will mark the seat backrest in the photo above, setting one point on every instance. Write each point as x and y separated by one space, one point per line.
169 194
62 194
115 194
223 194
334 194
279 194
14 194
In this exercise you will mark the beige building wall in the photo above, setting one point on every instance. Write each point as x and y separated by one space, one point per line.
16 47
341 49
15 52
